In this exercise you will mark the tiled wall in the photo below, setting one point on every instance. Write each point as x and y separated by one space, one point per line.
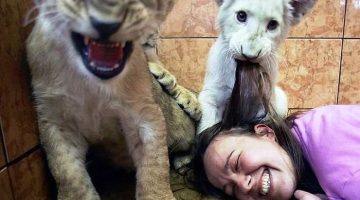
320 64
320 61
22 167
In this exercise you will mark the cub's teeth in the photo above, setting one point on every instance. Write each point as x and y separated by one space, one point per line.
104 69
116 66
265 183
92 64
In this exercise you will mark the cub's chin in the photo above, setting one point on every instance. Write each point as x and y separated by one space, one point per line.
105 59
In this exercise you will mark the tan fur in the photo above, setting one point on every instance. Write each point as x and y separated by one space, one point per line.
123 115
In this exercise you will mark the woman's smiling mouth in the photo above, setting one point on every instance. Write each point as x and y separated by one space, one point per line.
265 182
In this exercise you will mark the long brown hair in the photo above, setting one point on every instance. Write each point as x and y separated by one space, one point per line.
250 98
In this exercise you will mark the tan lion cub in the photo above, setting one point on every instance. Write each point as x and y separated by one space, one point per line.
93 87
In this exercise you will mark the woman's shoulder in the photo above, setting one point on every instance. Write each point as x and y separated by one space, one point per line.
331 115
330 138
330 109
333 123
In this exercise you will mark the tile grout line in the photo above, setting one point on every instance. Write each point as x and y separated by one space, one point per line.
18 159
24 155
11 184
341 54
21 157
7 171
2 137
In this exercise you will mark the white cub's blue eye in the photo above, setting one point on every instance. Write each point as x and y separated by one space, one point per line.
241 16
272 25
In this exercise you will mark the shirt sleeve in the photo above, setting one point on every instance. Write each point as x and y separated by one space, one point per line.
352 187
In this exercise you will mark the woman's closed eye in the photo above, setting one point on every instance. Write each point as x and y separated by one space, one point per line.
236 169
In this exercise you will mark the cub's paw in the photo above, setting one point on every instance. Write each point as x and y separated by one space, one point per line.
180 163
164 77
188 102
184 98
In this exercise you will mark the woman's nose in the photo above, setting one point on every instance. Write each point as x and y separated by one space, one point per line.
244 183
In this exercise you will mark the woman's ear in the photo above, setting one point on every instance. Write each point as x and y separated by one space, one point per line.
265 131
299 9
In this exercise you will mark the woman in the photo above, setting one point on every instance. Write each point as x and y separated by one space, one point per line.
268 160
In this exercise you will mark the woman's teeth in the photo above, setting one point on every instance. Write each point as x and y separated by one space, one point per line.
265 182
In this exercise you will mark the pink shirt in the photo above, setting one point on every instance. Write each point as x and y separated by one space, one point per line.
330 139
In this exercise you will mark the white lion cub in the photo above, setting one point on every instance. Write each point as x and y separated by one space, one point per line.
251 31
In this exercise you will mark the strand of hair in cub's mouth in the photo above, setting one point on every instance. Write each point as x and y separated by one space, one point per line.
248 96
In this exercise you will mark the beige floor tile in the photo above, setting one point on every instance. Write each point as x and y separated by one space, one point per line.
191 18
186 59
325 20
297 110
352 25
309 72
198 18
350 73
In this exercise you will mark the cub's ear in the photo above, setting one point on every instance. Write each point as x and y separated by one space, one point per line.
163 8
299 8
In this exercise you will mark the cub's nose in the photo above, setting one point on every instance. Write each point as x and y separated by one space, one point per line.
249 56
105 30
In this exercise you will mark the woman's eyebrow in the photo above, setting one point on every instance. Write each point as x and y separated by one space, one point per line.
226 166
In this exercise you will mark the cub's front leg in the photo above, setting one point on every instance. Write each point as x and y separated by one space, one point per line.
146 138
66 153
218 85
186 99
280 102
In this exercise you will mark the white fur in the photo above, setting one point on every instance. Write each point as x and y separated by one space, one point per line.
251 38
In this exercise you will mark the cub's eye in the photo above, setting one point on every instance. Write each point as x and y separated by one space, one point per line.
241 16
272 25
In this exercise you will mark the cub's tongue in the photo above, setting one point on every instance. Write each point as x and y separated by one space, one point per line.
105 54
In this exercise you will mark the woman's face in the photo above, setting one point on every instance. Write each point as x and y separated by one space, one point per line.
250 166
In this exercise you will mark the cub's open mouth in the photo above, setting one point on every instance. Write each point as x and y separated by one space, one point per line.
105 59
